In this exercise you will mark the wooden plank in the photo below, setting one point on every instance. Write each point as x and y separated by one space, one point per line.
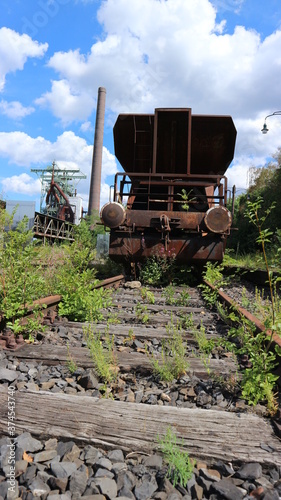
50 355
120 304
138 331
207 434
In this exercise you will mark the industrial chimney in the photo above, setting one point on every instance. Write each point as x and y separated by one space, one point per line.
94 194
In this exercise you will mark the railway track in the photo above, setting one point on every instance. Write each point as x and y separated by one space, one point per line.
59 398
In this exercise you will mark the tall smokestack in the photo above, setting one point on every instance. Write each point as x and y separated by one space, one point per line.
94 194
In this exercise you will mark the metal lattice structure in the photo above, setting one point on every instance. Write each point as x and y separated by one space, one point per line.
51 229
66 179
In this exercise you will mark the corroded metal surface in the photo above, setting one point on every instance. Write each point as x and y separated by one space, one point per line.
174 190
191 248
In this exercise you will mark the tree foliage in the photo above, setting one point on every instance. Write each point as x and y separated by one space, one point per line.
266 185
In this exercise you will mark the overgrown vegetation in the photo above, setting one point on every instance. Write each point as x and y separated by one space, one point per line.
265 185
258 382
180 467
173 363
30 270
157 270
101 347
171 298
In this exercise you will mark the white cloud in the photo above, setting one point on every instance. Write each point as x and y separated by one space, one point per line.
15 110
22 184
66 103
15 49
69 151
170 53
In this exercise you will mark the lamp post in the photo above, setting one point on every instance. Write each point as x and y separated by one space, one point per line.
264 129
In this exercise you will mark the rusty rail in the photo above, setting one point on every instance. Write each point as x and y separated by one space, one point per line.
276 339
49 304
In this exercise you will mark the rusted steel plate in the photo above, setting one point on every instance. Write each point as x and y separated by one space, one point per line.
204 145
151 218
187 249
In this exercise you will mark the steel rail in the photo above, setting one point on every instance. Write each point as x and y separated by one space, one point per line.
49 308
276 339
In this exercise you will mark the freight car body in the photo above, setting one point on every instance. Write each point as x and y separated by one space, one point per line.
170 201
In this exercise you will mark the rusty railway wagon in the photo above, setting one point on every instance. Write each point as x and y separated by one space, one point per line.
171 199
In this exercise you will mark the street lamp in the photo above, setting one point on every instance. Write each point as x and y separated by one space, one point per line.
264 129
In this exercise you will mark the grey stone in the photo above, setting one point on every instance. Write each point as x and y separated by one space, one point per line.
32 372
107 487
271 495
29 474
64 496
92 489
125 493
63 469
132 284
116 456
119 467
147 487
43 475
22 367
72 455
21 466
62 331
45 456
91 455
154 461
96 497
89 380
104 462
197 491
28 443
138 396
126 480
78 481
51 444
249 471
203 399
227 490
58 482
104 473
3 489
14 492
31 386
8 375
63 448
38 487
204 483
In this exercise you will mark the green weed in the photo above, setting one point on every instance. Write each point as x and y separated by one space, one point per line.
173 362
102 352
70 362
147 295
180 467
142 313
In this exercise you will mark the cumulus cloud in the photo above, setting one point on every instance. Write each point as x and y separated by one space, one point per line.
15 110
165 54
66 103
22 184
69 151
15 49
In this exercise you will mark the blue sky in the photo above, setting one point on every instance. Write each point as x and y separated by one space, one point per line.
217 57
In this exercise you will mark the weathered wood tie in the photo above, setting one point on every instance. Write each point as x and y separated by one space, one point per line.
206 434
49 355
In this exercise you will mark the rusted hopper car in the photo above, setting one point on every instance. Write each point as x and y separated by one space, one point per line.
171 199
